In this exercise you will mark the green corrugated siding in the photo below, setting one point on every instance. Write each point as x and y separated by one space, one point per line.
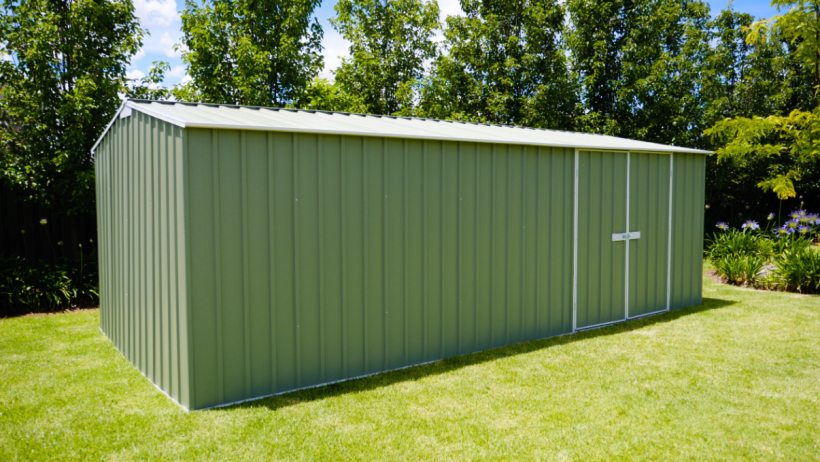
315 258
687 229
235 264
649 214
142 248
601 212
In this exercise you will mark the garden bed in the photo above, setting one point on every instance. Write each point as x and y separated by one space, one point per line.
775 257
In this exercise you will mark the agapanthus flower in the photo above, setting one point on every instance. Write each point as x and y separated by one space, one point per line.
795 215
750 224
792 224
813 219
781 232
770 217
803 229
722 225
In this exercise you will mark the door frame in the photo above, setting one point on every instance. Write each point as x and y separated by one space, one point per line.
576 176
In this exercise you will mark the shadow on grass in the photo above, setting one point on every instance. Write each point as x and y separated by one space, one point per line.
454 363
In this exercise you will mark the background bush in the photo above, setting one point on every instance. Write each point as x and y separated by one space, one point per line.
38 286
782 257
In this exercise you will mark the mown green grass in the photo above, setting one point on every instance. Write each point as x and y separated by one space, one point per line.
736 378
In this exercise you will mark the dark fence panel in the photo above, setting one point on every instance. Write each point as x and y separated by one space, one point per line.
38 233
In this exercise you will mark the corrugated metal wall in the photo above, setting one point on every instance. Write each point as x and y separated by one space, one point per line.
236 264
687 229
649 214
141 228
601 212
315 258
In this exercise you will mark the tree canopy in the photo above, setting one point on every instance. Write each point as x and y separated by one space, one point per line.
389 43
61 78
504 62
250 52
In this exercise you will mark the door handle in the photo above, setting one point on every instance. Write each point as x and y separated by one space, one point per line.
628 236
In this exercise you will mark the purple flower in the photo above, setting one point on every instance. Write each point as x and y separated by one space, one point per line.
781 232
813 219
770 217
797 214
792 224
803 229
750 224
722 225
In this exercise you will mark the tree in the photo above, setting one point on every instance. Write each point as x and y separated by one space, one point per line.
505 62
639 65
60 80
787 145
742 78
324 95
250 52
799 25
150 86
791 143
389 44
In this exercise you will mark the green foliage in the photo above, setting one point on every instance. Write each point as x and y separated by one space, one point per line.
249 52
797 269
505 62
784 258
736 243
742 78
323 95
799 24
790 145
150 86
639 64
740 269
389 44
60 81
27 286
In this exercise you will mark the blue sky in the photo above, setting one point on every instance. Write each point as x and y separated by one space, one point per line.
161 19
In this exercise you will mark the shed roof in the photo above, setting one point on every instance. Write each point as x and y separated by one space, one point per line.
201 115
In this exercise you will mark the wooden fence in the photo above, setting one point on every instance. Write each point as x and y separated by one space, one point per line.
38 233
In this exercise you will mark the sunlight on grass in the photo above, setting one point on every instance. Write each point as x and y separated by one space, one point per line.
736 378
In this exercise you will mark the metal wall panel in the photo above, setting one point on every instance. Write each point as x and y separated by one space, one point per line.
315 258
236 264
601 262
687 229
648 214
141 234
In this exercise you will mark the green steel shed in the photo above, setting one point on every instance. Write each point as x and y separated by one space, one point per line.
249 251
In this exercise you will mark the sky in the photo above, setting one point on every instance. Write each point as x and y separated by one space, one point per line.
161 19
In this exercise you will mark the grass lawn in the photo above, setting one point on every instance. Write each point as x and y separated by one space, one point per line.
735 378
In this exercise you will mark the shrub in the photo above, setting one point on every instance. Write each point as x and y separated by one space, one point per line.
798 268
744 256
736 243
35 286
740 269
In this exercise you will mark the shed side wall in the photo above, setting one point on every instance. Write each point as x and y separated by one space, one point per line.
315 258
688 186
141 227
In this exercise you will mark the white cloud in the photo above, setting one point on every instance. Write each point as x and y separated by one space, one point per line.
335 48
137 56
160 13
167 40
449 8
177 72
134 74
